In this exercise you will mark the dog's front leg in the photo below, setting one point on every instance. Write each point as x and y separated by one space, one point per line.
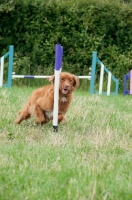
61 117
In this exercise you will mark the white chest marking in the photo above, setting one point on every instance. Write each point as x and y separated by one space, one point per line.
63 99
49 114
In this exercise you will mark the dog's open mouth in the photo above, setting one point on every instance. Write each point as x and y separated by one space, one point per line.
65 91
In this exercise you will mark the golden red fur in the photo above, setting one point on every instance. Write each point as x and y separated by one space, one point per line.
40 103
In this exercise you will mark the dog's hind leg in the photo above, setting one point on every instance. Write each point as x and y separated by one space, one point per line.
39 113
22 115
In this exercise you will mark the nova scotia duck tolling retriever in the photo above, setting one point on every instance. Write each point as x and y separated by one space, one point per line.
41 102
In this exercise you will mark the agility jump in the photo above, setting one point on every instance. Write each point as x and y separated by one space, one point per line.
92 77
103 69
9 56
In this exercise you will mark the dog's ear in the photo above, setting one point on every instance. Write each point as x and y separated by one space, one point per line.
52 79
76 81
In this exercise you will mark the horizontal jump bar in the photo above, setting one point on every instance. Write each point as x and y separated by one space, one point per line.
30 76
84 77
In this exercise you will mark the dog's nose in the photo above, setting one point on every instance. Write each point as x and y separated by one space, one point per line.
66 86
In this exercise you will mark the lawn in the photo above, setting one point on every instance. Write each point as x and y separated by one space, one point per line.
89 158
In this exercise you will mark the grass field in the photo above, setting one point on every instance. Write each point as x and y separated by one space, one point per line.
89 158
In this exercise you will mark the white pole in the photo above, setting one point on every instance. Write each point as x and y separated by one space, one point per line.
29 76
84 77
58 64
109 84
56 99
39 76
1 71
101 78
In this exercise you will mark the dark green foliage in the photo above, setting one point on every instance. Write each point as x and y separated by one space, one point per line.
34 27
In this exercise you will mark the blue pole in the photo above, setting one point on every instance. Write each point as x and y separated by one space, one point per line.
10 65
61 50
117 86
93 72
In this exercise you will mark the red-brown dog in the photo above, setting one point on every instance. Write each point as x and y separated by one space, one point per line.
40 103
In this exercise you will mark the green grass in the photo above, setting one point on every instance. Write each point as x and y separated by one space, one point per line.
89 158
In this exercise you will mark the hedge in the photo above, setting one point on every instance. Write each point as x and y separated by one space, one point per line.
82 26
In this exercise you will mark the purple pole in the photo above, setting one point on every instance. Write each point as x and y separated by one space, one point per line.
124 91
126 77
61 56
58 57
130 81
58 64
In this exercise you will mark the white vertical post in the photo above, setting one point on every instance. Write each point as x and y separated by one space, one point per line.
109 84
101 78
56 99
1 71
58 64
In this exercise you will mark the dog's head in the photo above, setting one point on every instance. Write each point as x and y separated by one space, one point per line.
68 82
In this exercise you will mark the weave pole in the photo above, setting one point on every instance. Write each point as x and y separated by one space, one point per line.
58 65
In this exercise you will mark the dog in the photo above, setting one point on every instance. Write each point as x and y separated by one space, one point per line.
41 102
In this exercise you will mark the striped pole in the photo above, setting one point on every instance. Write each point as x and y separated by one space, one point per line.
29 76
37 76
58 64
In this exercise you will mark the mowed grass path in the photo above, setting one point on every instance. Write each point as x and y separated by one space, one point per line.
89 158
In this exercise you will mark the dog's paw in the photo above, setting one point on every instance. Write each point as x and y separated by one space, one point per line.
16 122
36 122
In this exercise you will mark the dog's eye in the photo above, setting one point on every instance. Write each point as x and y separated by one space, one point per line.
62 79
70 80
